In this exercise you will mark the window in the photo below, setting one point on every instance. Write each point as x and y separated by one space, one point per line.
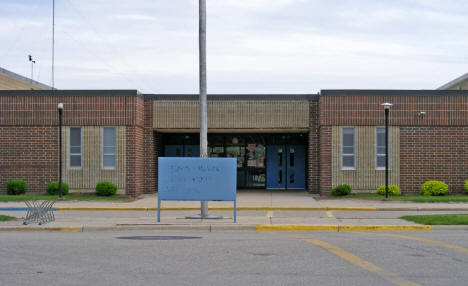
348 148
108 148
74 160
380 148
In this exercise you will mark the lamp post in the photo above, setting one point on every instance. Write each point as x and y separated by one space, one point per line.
386 106
60 109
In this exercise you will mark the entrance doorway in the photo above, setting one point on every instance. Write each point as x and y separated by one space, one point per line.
264 161
286 167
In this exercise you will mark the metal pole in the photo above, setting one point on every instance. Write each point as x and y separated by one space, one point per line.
203 103
386 152
60 151
53 41
203 92
32 71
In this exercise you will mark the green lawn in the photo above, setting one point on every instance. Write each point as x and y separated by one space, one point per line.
6 218
410 198
22 198
444 219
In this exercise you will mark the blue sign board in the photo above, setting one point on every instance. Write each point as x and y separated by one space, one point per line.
197 179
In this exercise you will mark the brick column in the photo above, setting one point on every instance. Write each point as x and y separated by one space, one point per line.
325 160
313 162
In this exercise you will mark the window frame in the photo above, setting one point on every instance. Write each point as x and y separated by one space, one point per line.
376 148
70 146
354 148
102 149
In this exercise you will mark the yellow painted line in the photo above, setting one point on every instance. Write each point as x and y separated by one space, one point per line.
296 228
367 209
440 243
100 208
269 214
70 229
330 214
385 274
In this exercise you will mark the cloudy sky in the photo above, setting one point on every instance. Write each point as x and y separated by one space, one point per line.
253 46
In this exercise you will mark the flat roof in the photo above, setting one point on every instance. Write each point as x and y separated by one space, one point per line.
233 96
74 92
392 92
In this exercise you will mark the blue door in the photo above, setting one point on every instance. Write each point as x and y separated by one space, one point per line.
173 151
295 166
285 167
275 167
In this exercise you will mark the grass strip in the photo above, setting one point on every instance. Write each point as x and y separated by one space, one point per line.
409 198
442 219
6 218
22 198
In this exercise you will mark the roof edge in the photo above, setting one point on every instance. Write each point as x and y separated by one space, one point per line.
453 82
24 79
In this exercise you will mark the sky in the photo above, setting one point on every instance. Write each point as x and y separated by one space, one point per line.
253 46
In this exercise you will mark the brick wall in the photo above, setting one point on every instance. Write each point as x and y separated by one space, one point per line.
149 149
362 109
135 161
158 145
433 153
313 162
30 154
325 160
78 110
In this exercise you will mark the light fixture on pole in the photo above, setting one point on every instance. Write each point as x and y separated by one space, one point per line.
60 109
386 106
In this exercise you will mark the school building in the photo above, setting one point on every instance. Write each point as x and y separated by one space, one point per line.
281 141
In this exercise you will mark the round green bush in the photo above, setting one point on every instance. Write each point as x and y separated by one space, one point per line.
16 187
434 188
106 189
393 190
341 190
466 186
53 188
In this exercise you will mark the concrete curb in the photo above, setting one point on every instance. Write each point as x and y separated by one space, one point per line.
246 208
227 228
241 208
260 208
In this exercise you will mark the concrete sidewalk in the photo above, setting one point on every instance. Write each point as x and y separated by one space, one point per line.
256 199
257 211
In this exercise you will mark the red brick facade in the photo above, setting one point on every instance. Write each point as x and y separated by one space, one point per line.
313 160
149 150
135 161
433 153
325 160
29 154
432 146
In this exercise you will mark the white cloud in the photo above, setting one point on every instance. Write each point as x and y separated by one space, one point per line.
253 45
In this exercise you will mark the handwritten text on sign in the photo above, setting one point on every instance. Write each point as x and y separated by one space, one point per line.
197 179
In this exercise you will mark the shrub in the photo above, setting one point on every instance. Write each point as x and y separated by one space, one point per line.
466 186
16 187
434 188
106 189
341 190
393 190
53 188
